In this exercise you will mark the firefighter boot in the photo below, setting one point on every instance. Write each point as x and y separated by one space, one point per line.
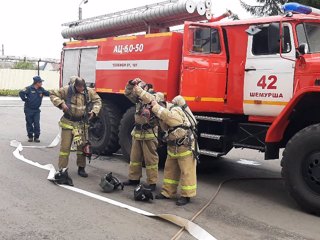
152 187
131 182
82 172
161 196
182 201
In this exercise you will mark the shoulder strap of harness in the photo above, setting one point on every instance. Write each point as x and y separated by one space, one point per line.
173 106
69 96
176 127
193 129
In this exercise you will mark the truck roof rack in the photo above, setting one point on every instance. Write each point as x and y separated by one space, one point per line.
150 18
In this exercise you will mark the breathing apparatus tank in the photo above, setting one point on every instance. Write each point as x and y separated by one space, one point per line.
181 102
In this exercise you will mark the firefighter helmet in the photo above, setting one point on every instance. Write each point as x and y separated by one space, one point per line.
159 96
109 183
62 177
142 193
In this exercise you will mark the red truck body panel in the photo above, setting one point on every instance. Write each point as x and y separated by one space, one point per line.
155 58
209 82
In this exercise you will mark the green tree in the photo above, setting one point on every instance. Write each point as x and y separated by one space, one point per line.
311 3
273 7
24 65
264 7
235 17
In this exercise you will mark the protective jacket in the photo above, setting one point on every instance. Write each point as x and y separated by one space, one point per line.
32 97
180 166
144 140
173 120
145 127
72 122
75 101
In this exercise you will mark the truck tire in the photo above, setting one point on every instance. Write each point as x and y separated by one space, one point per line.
126 126
103 131
125 138
301 168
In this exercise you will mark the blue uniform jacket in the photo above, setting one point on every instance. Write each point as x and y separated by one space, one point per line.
32 97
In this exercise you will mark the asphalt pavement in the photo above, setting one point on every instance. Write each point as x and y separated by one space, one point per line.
32 207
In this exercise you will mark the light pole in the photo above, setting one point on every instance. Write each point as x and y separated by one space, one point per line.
80 9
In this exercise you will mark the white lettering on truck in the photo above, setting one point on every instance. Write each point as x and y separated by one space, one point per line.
121 49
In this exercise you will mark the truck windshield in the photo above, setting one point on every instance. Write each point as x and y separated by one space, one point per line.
309 33
204 40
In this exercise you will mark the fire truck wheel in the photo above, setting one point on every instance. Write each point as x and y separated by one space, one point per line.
103 131
301 168
126 126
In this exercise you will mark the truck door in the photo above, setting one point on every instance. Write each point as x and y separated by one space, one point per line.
204 67
79 62
269 75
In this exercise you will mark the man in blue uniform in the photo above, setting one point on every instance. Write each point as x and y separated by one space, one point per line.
32 97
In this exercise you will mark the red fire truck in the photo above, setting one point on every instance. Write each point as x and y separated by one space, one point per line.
251 84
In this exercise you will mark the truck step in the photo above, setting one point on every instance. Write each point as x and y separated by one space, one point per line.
211 136
255 125
211 153
211 119
239 145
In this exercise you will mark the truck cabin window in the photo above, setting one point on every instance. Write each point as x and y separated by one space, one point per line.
262 41
204 40
309 33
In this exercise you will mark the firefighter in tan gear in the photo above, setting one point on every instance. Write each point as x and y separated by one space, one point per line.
180 166
144 138
74 100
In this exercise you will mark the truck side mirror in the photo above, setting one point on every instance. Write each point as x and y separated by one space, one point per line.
303 48
274 38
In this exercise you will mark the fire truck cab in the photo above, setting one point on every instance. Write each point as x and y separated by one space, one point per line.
255 84
251 84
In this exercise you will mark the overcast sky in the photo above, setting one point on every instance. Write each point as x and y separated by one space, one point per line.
32 28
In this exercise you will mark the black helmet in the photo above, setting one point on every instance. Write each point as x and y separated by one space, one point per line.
109 183
62 177
141 193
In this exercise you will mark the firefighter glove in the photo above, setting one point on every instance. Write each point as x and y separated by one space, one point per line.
91 115
64 107
76 137
77 140
135 81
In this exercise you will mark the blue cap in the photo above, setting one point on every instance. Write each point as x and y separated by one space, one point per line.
37 79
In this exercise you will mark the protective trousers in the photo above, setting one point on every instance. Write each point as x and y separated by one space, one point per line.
66 141
180 167
144 150
32 122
